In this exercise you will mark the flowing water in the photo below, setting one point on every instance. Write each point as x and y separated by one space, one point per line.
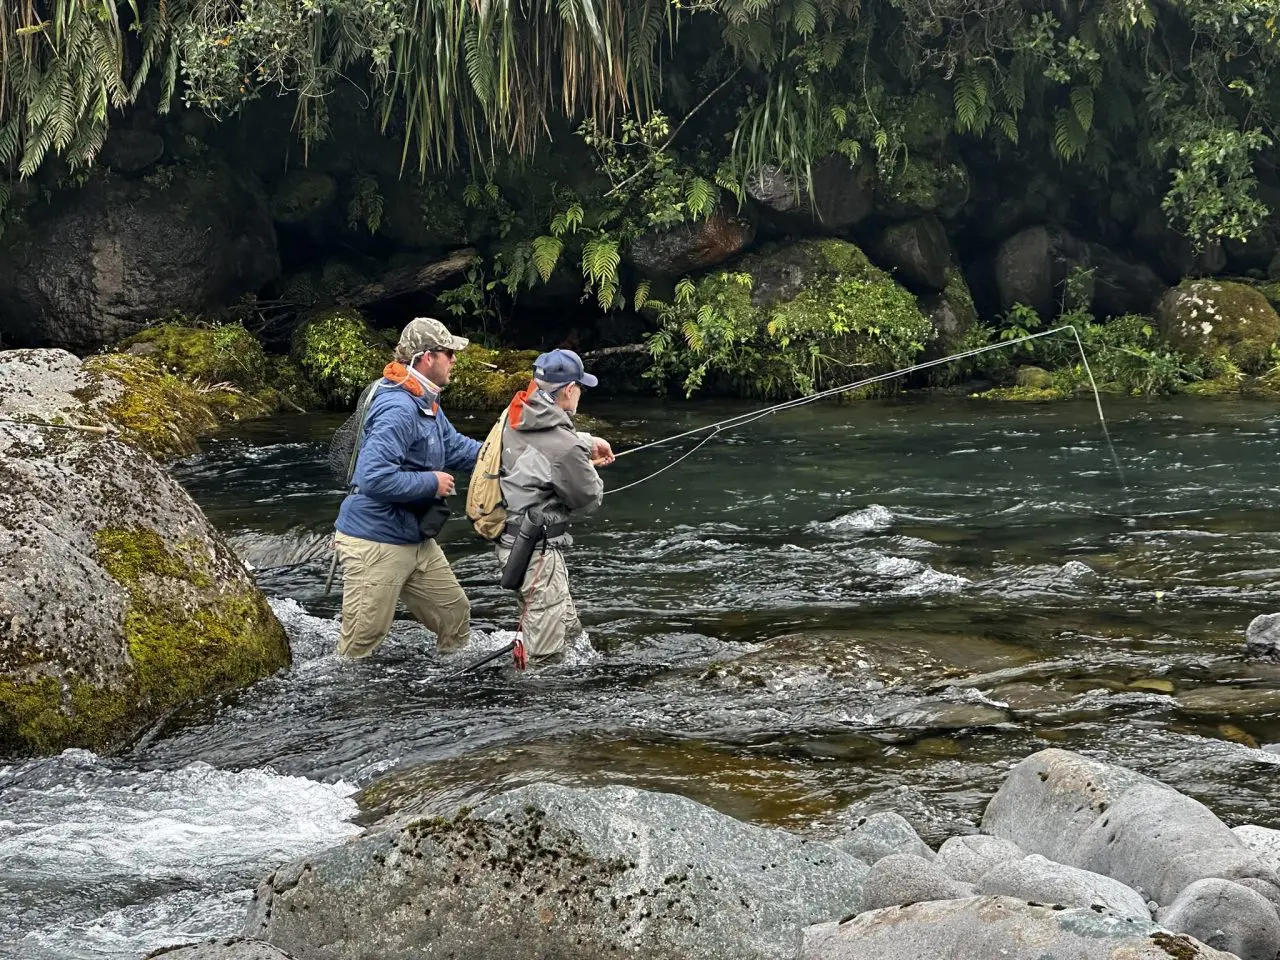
837 609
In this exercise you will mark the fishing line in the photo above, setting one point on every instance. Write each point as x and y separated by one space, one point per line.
743 419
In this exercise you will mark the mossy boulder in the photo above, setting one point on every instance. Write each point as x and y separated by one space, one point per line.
340 352
227 365
791 318
119 603
924 184
1208 318
486 379
155 411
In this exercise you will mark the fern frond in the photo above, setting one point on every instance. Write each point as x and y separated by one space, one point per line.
545 255
700 197
1082 105
641 296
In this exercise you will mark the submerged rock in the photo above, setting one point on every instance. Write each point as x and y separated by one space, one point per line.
550 871
1262 639
998 928
118 600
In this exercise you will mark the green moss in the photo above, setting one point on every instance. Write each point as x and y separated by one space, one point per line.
209 354
956 293
840 256
789 320
1207 319
131 555
1024 394
476 386
186 639
1215 387
302 193
227 364
1035 378
340 352
46 714
158 413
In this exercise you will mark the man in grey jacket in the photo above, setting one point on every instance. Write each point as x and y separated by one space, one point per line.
549 472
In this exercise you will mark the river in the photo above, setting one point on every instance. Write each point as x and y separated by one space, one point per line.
880 605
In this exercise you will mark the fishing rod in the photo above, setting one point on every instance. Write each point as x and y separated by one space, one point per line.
83 428
742 419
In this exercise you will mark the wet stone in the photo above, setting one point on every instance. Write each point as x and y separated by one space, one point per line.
558 871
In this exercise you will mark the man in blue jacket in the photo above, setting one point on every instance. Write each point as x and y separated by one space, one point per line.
388 523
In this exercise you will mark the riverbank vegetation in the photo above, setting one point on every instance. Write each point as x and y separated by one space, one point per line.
617 171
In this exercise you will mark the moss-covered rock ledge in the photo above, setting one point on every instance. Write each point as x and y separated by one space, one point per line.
118 601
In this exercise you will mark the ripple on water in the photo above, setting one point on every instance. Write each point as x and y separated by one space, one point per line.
146 858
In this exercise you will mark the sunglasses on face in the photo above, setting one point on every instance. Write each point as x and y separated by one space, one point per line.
447 353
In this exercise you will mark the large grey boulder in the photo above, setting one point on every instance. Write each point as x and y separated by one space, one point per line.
1158 841
1051 797
222 948
1043 881
1262 841
997 928
1226 916
882 834
968 859
95 264
842 195
902 878
918 251
1115 822
551 871
118 600
691 246
1032 264
1262 639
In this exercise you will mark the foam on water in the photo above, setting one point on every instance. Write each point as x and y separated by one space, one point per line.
148 858
871 519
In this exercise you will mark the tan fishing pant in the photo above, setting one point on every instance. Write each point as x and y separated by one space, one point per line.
376 575
550 616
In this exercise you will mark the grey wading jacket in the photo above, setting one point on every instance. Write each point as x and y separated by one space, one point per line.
546 465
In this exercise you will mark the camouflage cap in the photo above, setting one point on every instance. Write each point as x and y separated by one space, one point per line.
422 334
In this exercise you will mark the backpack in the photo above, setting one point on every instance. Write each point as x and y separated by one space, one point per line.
344 448
485 506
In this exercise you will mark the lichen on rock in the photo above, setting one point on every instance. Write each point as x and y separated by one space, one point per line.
1205 318
118 601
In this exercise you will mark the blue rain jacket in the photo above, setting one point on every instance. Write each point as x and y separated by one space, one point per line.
406 438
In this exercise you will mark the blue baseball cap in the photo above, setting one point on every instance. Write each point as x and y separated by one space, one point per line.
562 366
